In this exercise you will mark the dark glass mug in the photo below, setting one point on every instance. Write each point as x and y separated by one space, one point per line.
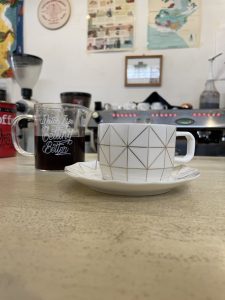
59 134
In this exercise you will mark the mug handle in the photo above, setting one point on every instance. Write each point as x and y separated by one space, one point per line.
190 147
15 137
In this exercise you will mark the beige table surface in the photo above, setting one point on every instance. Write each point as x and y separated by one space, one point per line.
59 240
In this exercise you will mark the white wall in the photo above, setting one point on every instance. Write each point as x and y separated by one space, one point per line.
68 67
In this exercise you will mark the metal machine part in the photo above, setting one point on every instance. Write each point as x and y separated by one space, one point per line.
207 125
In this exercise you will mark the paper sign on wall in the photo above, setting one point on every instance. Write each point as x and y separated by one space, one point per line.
110 25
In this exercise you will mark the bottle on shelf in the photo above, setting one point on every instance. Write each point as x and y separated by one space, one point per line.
210 97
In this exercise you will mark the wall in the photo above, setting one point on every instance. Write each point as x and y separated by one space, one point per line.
68 67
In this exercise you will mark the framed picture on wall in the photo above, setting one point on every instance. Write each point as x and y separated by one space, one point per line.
145 70
54 14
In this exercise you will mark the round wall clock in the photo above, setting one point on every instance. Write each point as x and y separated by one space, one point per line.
54 14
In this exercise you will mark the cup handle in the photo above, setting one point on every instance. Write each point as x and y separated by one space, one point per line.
15 137
190 147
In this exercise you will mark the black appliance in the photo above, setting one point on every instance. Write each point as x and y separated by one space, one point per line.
207 125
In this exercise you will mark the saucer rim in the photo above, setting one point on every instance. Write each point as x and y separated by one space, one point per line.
133 183
129 189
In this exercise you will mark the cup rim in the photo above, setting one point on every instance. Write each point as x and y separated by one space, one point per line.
137 124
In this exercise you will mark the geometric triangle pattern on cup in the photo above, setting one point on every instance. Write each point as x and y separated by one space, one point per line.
118 135
138 136
166 174
170 137
137 158
118 157
169 157
156 158
143 151
119 173
157 137
154 175
137 175
103 152
104 135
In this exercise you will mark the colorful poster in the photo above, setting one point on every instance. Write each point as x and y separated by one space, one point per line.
110 25
173 24
11 33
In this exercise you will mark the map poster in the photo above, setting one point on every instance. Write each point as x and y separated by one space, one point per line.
174 24
110 25
11 33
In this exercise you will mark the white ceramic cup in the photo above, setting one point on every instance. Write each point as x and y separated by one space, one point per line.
130 106
158 106
143 106
140 152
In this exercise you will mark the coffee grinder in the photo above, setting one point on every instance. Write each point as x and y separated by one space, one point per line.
26 69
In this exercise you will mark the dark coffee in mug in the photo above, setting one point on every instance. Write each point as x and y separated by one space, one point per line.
55 154
59 137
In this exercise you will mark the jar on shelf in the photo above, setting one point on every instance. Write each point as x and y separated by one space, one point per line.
210 97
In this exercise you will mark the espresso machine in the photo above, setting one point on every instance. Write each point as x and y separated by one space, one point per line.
207 125
26 69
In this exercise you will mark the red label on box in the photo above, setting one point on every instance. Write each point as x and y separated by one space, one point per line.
7 114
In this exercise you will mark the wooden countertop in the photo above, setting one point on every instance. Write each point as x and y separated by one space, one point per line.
59 240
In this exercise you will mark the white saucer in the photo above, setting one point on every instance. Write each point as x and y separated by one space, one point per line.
89 174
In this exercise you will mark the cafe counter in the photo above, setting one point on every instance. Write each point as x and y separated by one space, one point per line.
61 240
